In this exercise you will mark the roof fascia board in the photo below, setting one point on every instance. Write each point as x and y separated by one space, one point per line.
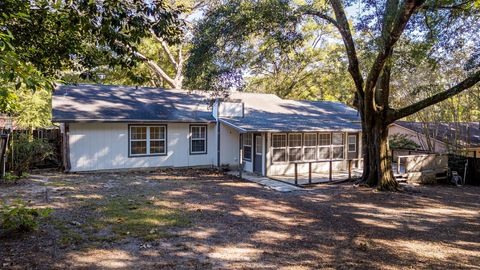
128 121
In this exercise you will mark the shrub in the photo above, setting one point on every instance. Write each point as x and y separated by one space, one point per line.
19 218
28 150
401 141
11 178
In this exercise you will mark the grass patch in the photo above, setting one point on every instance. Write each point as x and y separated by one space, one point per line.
134 217
57 184
68 236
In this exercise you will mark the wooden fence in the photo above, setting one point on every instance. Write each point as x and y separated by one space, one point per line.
50 135
467 167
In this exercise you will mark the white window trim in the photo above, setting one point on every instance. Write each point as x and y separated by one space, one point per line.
147 140
204 139
284 147
354 144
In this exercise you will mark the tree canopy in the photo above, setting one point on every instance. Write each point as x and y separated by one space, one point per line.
39 39
386 43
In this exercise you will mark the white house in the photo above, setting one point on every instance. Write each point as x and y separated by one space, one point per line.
118 127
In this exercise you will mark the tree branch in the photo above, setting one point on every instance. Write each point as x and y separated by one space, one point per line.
401 20
411 109
179 67
455 6
156 68
344 28
307 10
166 49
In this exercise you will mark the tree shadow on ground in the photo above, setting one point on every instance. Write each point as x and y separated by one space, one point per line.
237 224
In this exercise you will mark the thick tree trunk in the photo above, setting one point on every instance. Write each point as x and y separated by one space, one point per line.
378 170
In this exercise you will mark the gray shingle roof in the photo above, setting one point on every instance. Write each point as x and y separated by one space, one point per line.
464 133
271 113
124 103
263 112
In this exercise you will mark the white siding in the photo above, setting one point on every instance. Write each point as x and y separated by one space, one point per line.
104 146
229 146
230 109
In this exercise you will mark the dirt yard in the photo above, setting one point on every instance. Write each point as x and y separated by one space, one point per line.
205 220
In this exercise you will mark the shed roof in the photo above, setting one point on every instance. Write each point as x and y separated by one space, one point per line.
109 103
453 133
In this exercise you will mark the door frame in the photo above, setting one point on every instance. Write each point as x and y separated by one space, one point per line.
254 160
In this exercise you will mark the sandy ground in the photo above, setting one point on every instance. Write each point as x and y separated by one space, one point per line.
226 223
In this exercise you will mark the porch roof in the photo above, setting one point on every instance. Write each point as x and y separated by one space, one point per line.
277 115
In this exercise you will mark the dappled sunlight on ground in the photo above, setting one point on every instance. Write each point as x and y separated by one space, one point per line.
237 252
101 258
204 220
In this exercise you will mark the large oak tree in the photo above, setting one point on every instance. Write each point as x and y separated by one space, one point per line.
229 35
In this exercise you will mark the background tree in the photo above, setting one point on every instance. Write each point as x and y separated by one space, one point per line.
431 32
41 38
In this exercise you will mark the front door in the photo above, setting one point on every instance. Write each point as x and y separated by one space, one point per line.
257 164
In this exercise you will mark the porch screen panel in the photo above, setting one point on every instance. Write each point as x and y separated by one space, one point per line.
310 146
295 147
352 143
279 147
337 146
324 143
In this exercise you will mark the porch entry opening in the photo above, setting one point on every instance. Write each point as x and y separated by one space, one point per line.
258 157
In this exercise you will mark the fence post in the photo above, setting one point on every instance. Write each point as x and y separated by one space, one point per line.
330 171
310 172
296 176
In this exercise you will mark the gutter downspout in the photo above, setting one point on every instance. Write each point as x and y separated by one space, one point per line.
240 156
218 144
218 132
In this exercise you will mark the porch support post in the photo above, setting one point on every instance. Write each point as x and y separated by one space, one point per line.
349 169
296 174
310 172
330 171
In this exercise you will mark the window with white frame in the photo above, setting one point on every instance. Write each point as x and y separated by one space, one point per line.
295 146
147 140
352 143
198 139
247 146
324 143
279 147
337 146
310 146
